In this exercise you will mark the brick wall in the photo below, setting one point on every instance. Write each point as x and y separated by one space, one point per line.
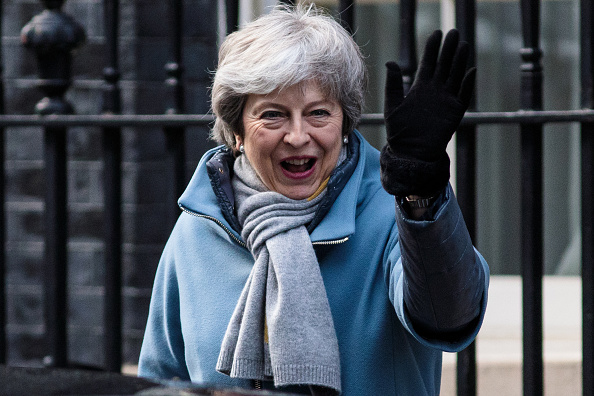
144 50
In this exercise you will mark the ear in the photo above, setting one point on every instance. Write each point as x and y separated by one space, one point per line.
237 142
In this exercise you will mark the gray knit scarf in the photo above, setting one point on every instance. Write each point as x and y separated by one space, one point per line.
282 327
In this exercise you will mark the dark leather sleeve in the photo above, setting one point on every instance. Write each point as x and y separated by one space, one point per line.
444 280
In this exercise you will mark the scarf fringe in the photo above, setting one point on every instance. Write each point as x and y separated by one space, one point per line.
290 374
283 374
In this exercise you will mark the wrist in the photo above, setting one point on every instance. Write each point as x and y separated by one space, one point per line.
403 176
417 202
416 206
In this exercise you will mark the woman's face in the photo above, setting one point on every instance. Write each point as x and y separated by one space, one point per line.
292 138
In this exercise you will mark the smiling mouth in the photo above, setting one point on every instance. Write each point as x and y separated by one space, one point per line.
298 165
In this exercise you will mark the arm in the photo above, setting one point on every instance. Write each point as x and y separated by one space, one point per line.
162 354
444 278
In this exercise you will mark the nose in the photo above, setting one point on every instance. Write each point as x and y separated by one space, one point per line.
297 135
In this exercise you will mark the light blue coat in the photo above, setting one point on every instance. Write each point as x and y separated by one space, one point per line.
204 267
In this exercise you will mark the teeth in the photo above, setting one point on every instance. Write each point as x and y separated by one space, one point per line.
297 161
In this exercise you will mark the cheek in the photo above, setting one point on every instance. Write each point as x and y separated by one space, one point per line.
260 144
260 157
332 137
252 137
332 145
259 148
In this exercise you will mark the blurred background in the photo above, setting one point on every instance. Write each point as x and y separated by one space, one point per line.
145 48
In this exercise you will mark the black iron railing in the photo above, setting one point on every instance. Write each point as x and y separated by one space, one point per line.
53 116
532 201
587 181
3 341
112 181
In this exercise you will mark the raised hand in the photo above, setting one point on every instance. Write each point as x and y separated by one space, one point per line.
419 126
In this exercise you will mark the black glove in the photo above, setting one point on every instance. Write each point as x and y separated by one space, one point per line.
419 126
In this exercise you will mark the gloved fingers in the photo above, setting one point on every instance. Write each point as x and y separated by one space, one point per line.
458 68
448 51
429 59
394 91
467 87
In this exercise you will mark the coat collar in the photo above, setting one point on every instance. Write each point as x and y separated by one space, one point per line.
209 193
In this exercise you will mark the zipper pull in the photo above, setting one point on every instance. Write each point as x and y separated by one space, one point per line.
258 384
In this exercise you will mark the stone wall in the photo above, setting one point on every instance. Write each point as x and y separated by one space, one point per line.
145 48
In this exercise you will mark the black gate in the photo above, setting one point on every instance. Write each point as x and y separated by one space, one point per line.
52 36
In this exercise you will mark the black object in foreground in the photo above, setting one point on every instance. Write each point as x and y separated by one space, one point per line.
27 381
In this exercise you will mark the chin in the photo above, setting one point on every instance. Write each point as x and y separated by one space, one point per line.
297 195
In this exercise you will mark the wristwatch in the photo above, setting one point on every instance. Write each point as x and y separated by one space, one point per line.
416 202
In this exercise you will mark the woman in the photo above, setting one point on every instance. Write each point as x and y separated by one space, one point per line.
291 267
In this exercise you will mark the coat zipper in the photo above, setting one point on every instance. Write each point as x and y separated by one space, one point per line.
239 241
332 242
223 226
258 384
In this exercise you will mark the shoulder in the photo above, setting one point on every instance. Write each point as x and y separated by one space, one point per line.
194 229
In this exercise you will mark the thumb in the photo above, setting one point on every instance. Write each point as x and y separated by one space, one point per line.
394 88
467 87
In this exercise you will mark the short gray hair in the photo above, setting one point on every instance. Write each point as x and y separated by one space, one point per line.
288 46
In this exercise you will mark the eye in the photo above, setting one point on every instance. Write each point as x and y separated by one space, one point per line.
271 114
320 113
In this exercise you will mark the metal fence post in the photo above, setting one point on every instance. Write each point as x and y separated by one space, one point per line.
466 381
3 341
175 136
53 35
532 201
232 15
112 180
587 179
346 12
407 59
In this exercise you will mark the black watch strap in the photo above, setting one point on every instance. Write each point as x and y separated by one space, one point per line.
415 202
